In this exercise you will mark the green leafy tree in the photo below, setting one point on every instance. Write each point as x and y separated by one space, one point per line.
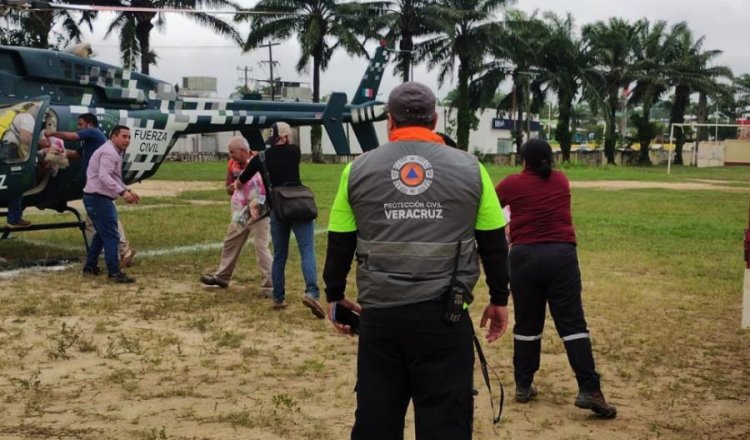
651 59
742 91
403 21
690 71
567 68
612 45
463 27
514 55
135 27
320 26
44 28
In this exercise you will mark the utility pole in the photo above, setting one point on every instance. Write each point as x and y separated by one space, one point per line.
270 62
245 70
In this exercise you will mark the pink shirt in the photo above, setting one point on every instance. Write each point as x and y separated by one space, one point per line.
104 173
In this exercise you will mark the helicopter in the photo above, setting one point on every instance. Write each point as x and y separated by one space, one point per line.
56 87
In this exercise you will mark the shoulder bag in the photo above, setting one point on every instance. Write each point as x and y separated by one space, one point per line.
291 203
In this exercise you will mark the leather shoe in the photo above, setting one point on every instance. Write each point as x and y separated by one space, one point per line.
121 278
595 401
210 280
91 271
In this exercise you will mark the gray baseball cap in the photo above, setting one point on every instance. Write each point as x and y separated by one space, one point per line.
411 102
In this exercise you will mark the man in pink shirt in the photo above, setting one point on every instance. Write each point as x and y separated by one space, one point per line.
103 186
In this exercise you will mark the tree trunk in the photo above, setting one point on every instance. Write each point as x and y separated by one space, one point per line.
644 133
611 141
702 133
527 109
463 118
143 35
681 98
518 124
565 104
316 131
41 26
406 45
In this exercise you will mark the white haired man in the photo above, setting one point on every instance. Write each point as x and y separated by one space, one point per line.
244 221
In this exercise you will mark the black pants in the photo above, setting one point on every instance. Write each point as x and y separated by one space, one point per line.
541 274
410 352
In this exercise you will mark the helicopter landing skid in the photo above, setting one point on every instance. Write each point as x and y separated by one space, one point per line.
80 224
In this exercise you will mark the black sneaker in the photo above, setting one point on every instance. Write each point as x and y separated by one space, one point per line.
210 280
525 394
121 278
91 271
595 401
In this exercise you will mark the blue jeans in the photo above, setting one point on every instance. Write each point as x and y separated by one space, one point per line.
15 209
304 232
103 215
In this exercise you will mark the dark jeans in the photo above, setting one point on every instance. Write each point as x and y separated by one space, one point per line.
548 273
409 352
304 232
103 215
15 209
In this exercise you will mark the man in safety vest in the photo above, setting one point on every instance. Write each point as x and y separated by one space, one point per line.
416 212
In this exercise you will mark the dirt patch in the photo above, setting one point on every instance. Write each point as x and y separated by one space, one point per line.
80 358
632 184
171 188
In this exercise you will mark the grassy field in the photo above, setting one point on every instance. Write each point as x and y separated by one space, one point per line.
168 359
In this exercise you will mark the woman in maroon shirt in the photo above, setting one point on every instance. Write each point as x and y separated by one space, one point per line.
544 269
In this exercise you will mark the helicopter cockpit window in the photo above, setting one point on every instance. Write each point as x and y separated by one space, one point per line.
17 131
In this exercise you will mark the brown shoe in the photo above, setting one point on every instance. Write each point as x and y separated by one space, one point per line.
314 306
20 224
595 401
127 257
277 305
210 280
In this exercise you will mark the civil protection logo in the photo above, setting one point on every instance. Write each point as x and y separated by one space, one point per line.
412 175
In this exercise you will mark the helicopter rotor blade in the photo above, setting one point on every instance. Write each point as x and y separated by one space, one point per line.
35 5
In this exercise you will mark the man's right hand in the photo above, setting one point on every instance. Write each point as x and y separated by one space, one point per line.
498 318
341 328
131 197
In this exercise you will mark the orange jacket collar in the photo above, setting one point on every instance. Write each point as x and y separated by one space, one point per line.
419 134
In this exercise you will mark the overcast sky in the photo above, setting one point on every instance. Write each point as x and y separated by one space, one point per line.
186 49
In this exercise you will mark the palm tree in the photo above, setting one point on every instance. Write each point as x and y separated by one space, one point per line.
463 26
612 45
515 53
651 60
404 20
135 27
690 72
37 28
316 24
742 91
567 66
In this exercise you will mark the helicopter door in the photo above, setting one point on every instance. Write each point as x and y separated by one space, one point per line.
21 124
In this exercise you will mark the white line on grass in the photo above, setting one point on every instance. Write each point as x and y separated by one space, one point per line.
15 272
153 252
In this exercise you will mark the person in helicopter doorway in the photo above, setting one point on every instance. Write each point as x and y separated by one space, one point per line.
16 134
90 138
